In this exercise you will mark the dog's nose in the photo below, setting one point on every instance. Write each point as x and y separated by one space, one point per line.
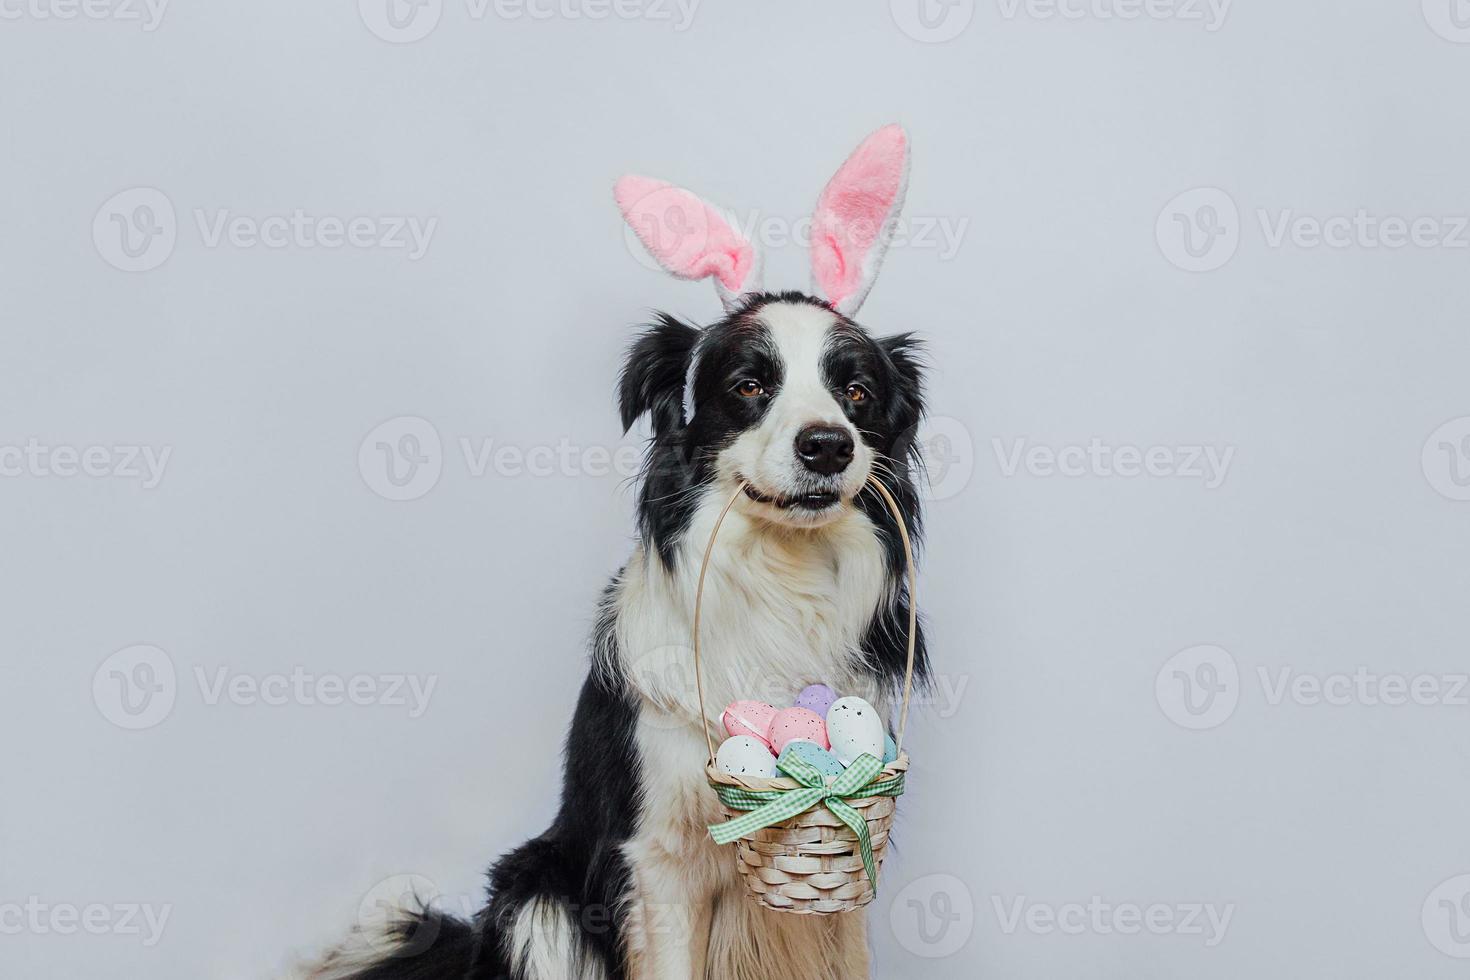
825 449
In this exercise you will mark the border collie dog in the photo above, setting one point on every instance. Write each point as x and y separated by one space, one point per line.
790 398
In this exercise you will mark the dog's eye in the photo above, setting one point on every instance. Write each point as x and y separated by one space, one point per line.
857 393
750 388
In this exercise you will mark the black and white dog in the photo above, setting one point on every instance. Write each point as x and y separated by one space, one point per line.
790 397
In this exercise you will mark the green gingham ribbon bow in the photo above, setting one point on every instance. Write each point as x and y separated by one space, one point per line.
767 807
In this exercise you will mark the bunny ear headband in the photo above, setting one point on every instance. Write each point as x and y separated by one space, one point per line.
851 226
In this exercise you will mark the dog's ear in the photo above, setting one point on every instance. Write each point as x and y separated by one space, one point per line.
655 373
855 217
906 400
689 237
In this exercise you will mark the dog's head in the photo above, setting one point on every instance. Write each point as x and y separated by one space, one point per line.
786 394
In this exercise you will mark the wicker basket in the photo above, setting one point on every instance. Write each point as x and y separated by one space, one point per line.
811 863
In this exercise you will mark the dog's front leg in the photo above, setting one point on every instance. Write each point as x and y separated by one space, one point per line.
670 918
674 865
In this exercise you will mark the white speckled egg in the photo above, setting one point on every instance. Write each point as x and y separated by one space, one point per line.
743 755
854 729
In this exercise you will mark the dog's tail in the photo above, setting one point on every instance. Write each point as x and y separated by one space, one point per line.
426 944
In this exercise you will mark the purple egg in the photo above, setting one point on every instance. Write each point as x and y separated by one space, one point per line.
816 697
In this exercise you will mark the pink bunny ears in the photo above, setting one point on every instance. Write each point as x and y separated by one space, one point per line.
851 227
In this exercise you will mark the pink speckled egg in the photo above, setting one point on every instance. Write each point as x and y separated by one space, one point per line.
751 718
794 723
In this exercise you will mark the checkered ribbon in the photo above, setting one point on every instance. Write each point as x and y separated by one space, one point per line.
767 807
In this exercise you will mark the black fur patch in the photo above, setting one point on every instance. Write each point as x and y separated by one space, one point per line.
578 862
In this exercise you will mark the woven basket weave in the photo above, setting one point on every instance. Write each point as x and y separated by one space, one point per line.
811 863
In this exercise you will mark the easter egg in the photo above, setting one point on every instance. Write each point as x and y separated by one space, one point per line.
890 749
812 754
794 723
855 729
751 718
743 755
816 697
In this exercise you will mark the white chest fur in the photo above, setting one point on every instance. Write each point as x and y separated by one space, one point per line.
783 608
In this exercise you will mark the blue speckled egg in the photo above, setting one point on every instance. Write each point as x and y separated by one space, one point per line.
813 755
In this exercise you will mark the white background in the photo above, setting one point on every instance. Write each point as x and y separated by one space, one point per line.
1070 767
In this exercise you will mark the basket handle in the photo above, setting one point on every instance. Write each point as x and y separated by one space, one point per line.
913 577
